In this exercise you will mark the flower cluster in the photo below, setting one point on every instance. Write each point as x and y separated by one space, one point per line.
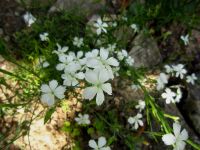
177 71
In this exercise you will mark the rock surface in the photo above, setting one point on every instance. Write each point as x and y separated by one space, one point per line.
145 52
84 7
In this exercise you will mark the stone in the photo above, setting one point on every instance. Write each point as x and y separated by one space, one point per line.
145 51
191 106
84 7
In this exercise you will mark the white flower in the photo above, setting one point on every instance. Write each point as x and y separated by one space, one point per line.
49 92
111 47
100 26
177 139
122 54
101 145
129 60
45 64
82 119
97 78
44 36
71 75
169 96
61 51
141 105
162 80
29 19
136 121
78 42
64 62
114 24
180 71
185 39
178 95
103 62
134 27
191 79
169 69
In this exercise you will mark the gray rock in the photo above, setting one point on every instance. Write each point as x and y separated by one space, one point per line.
191 106
145 51
84 7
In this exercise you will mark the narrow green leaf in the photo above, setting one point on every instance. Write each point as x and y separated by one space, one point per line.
49 114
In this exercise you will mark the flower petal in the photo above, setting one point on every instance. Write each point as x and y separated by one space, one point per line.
91 76
48 99
45 88
93 144
176 129
104 53
100 97
59 92
107 88
103 75
53 84
101 141
90 92
169 139
183 135
113 62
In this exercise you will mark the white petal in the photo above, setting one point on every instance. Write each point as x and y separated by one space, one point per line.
92 62
104 53
98 31
105 148
103 76
100 97
89 92
91 76
80 75
93 144
59 92
107 88
53 84
113 62
48 99
60 67
176 129
45 88
101 142
180 145
183 135
169 139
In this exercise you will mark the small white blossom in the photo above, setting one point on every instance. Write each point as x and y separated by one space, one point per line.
162 80
49 92
61 51
78 42
180 71
191 79
136 121
65 62
122 54
185 39
97 78
178 95
45 64
129 60
101 145
177 139
111 47
29 19
100 25
83 119
169 96
141 105
134 27
103 61
44 36
169 69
